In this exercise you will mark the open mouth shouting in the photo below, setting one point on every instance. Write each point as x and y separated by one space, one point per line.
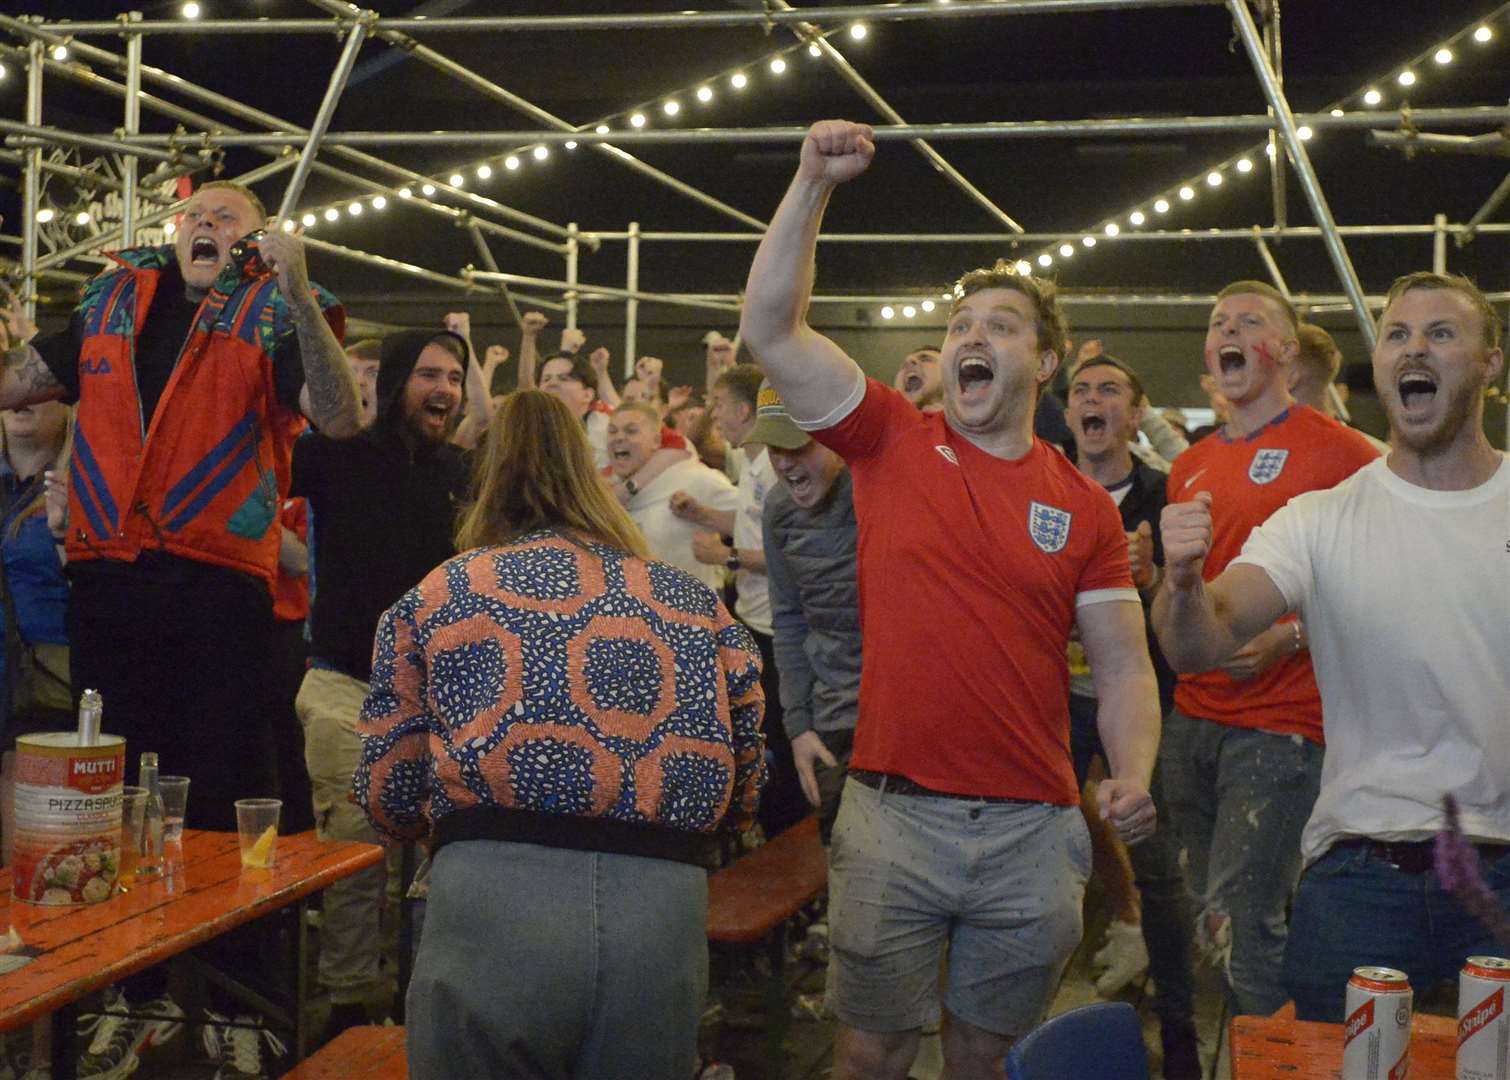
913 383
204 252
975 375
1417 389
1092 423
1230 359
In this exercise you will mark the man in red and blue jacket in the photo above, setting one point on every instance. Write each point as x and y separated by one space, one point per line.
191 366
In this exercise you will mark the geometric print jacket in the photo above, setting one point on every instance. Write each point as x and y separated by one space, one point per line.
560 675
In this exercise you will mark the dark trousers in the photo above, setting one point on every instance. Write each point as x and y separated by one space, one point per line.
782 803
186 672
1168 909
289 650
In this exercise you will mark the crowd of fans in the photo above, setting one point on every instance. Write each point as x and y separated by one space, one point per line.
569 634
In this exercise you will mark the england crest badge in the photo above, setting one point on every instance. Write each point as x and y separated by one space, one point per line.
1267 465
1049 527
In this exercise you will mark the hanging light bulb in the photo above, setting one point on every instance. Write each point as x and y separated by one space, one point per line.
1045 260
405 193
602 129
427 189
888 312
1187 192
1161 206
1137 217
739 80
1244 165
190 10
511 163
308 221
1088 241
1213 179
484 172
570 144
288 225
1112 228
457 180
332 214
777 66
379 201
1305 132
1024 267
1406 78
1372 97
355 209
1443 55
909 312
45 215
1067 250
1483 35
858 31
671 108
927 305
540 153
705 94
637 120
169 228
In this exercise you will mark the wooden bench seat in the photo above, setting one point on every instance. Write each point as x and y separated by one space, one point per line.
372 1053
761 890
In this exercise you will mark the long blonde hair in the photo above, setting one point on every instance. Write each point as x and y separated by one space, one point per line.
536 471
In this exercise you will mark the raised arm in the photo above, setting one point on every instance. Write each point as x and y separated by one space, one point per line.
1199 624
478 410
25 378
329 397
529 347
599 359
813 375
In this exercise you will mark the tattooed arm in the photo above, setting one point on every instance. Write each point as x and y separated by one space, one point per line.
329 397
26 378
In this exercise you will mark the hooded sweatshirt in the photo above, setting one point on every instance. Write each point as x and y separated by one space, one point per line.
383 510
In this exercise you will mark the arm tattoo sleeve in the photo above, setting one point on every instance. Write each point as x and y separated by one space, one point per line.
26 379
332 390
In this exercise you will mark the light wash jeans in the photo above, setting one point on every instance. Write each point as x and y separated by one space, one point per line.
569 963
1240 799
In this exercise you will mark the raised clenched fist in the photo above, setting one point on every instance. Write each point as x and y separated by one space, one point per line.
532 322
836 151
1185 529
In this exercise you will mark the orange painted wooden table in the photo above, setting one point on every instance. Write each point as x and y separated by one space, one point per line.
204 892
1275 1047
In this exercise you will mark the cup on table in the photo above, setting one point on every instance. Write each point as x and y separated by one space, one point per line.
133 827
257 827
175 793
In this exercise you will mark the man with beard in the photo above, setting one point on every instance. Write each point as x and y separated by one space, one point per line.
979 548
1400 574
1242 748
384 507
918 378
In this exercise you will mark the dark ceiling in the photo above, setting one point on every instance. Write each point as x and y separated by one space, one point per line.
1136 63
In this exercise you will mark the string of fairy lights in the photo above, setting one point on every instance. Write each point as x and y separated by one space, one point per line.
1372 95
740 79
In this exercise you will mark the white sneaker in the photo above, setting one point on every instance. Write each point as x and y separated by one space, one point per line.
1126 957
118 1039
236 1046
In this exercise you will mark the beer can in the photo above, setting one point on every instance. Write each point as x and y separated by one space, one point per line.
1376 1036
1483 1028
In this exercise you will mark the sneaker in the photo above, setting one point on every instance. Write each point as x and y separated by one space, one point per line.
117 1039
236 1046
1126 957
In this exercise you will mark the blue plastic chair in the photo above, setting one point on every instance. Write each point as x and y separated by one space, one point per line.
1096 1042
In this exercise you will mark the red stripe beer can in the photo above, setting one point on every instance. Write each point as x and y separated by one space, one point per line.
1483 1027
1376 1036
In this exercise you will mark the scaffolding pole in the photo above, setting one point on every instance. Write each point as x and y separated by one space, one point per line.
131 125
682 20
235 108
485 253
1126 236
32 183
571 275
1272 48
1307 175
1494 202
999 129
605 292
1439 245
354 38
632 303
415 273
489 89
36 135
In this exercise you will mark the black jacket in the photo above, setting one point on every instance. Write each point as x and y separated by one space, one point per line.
1144 501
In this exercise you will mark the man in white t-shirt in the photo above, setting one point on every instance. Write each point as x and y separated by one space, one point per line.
733 407
1401 575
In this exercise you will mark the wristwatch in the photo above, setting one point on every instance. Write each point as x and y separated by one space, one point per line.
630 487
732 562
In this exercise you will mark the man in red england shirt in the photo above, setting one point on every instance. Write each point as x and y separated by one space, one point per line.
1242 748
979 548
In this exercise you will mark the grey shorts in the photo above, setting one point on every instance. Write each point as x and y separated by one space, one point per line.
999 883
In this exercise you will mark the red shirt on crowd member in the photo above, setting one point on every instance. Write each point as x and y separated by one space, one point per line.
291 593
1249 479
984 550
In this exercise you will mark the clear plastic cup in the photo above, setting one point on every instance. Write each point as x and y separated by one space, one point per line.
175 793
133 823
257 827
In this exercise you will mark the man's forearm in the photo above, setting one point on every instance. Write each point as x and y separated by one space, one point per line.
334 404
1190 630
26 378
529 355
781 277
479 400
1128 721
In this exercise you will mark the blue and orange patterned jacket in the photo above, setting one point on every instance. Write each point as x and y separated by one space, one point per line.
564 677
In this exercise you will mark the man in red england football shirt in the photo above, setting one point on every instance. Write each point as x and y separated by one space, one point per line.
979 548
1242 748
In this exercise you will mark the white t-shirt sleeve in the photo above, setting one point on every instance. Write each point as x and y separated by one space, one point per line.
839 412
1281 548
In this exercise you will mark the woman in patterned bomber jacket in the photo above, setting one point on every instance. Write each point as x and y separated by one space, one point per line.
569 722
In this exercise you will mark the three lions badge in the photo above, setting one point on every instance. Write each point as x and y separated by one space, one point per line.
1049 527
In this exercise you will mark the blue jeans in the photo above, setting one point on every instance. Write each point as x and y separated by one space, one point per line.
1240 799
575 963
1168 914
1354 908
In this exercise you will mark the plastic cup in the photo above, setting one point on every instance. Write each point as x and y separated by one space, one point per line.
257 827
133 824
175 793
